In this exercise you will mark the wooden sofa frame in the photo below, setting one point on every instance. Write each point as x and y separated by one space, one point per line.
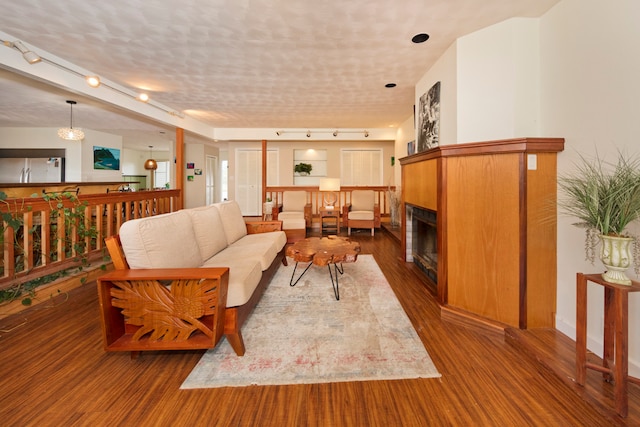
231 318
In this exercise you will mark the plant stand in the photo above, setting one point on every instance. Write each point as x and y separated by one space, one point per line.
615 362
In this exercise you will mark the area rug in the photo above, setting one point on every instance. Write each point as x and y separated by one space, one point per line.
302 335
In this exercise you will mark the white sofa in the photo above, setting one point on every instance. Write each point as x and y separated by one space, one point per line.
210 236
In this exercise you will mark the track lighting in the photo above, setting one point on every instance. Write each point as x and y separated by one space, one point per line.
334 133
28 55
93 81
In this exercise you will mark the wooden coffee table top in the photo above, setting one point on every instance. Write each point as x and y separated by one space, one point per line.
324 251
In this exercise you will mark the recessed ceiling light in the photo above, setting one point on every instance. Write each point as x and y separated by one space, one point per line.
420 38
390 85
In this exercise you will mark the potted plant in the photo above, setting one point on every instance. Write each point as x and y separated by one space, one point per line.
303 168
605 198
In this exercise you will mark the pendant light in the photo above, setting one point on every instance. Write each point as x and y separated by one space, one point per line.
150 164
70 133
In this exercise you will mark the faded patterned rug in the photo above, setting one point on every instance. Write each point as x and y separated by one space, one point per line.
302 335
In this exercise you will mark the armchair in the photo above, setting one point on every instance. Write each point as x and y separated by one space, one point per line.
362 212
295 214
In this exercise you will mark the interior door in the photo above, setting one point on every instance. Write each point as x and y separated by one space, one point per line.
211 169
249 181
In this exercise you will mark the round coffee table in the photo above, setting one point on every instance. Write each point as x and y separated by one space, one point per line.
323 251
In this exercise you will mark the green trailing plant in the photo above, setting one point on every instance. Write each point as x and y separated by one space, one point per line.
303 168
74 224
603 196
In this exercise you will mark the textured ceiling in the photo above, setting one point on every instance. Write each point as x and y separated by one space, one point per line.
243 63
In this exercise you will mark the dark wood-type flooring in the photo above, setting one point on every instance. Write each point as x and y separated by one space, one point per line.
54 372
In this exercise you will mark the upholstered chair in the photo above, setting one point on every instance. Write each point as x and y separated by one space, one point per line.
362 212
295 214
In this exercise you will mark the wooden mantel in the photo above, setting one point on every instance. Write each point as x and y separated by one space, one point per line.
496 220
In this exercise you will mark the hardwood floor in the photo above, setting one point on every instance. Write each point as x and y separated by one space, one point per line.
53 371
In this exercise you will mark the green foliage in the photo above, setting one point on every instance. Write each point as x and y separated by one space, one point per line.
74 222
303 168
603 196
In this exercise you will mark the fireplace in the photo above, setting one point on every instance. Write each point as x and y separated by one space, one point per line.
422 232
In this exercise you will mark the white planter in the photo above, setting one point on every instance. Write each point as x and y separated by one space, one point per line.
615 254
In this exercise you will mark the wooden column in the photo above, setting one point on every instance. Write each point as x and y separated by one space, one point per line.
180 166
264 172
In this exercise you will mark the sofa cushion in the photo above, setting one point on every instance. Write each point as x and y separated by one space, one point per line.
232 220
208 230
362 200
244 276
361 215
294 201
263 254
162 241
277 239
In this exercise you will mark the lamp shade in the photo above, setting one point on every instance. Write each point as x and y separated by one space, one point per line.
150 164
329 184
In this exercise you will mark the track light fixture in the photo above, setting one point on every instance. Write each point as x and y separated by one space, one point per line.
28 55
93 81
334 133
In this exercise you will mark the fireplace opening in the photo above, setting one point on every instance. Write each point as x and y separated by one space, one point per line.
424 237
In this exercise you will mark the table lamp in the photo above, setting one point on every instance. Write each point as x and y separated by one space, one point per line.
329 186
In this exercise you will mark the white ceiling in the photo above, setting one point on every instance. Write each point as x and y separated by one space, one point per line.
241 63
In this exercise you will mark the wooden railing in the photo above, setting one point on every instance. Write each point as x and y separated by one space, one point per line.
315 196
43 235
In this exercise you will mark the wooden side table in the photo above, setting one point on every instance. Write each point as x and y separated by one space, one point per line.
329 220
615 362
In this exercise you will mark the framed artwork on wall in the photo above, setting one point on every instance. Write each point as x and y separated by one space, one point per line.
429 119
106 158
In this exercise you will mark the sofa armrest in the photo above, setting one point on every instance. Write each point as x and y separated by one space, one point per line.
275 211
139 313
255 227
307 215
345 212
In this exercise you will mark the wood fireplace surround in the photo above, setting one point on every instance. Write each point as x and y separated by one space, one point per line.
496 228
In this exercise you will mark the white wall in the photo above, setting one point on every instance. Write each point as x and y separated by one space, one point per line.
406 132
92 139
590 89
498 82
195 191
443 71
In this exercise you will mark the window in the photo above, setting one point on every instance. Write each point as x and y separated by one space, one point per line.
361 167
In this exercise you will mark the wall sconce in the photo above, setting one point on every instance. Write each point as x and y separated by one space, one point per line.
329 186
